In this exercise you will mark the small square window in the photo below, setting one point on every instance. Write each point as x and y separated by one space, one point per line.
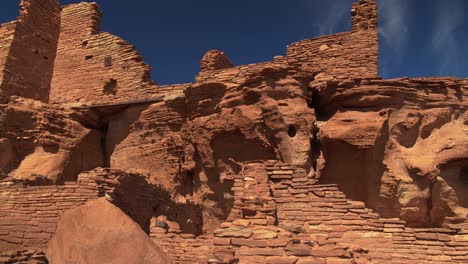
107 61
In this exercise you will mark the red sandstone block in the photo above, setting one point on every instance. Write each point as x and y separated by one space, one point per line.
325 253
310 261
281 260
457 244
259 221
37 235
47 224
456 253
251 260
27 228
281 176
298 250
426 236
12 240
221 241
247 251
47 219
12 222
428 243
444 237
223 251
18 217
248 242
339 261
281 242
16 234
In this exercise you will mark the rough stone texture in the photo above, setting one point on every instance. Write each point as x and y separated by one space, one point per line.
38 141
308 158
93 66
7 33
120 239
408 139
29 212
344 55
226 121
27 50
215 60
317 223
23 256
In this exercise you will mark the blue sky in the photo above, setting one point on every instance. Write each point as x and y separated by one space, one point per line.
417 37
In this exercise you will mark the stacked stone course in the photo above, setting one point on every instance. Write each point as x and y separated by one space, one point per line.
29 211
283 216
27 50
93 67
97 68
7 32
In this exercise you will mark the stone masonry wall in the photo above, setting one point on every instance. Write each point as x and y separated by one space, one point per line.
214 60
29 214
340 56
28 63
7 32
344 55
30 211
282 216
317 224
181 247
93 67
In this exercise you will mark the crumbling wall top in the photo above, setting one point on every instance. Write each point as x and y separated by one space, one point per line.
215 60
364 15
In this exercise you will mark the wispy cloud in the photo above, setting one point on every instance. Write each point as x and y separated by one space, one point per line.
335 13
393 29
393 23
444 41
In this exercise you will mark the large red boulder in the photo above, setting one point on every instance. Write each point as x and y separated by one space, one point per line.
99 232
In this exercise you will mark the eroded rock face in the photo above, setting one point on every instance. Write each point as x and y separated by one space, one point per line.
147 138
120 239
193 144
261 118
403 157
41 141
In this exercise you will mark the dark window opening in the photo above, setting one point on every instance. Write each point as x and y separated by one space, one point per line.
107 61
111 87
189 184
89 57
246 212
45 58
84 44
292 131
36 51
464 175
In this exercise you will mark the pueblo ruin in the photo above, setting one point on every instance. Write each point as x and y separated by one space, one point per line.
308 158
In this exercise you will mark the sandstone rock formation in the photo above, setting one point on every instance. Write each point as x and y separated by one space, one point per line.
308 158
120 239
38 141
408 140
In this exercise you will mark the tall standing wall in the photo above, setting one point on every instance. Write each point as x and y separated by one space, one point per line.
93 67
344 55
27 50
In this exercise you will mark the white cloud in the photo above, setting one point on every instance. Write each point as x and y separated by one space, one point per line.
393 23
335 12
444 42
